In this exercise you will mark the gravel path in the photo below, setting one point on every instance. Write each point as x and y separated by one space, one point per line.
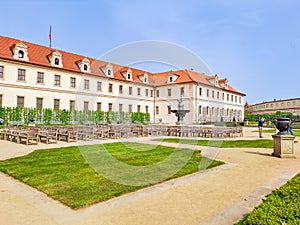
219 196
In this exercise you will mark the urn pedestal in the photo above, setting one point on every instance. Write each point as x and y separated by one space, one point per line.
284 146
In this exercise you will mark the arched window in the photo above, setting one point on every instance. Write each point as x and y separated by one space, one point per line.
21 54
56 61
85 67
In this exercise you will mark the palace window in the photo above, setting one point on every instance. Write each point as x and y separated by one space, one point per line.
1 100
56 104
157 93
99 86
120 107
169 109
72 105
130 108
147 109
110 88
110 107
200 91
182 91
213 94
156 110
85 105
20 54
85 67
39 103
56 61
1 71
207 92
146 92
21 75
130 90
57 80
120 89
73 82
199 110
40 78
169 92
99 106
139 91
20 101
86 84
138 108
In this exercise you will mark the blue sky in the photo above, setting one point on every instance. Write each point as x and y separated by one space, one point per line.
255 44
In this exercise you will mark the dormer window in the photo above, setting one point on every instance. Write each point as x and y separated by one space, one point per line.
170 79
56 61
129 74
109 70
19 51
84 65
55 58
144 78
21 54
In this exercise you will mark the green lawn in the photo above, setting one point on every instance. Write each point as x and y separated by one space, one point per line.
65 175
272 131
282 206
259 143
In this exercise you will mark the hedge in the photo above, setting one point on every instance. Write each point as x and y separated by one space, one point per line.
272 116
50 116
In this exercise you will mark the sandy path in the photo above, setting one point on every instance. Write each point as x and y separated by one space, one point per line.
218 196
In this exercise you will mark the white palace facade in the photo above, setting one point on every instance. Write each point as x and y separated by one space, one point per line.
40 77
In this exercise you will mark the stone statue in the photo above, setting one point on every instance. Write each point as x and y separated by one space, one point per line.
180 106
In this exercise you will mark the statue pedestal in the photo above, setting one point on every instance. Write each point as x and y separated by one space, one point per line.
284 146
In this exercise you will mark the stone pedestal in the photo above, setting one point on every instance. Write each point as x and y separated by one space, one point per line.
284 146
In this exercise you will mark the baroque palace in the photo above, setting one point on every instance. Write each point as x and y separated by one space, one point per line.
286 105
40 77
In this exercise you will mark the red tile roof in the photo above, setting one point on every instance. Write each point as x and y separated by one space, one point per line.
38 55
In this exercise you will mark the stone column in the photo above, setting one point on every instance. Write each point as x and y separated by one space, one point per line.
284 146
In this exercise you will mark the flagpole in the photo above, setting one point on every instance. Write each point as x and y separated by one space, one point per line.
50 37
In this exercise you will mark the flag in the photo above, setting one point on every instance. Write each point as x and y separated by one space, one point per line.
50 36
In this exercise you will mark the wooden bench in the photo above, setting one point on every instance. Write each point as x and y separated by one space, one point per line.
49 135
67 134
29 136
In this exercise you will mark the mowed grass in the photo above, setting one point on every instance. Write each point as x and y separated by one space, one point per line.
259 143
65 175
282 206
272 131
